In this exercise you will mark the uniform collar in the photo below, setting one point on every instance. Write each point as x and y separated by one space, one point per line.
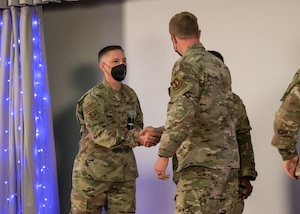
192 47
124 94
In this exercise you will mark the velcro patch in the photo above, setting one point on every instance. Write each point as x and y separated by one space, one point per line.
177 83
94 115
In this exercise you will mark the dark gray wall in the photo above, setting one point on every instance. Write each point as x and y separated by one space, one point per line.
72 45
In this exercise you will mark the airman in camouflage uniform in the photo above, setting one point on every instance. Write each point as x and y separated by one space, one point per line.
105 169
200 132
247 171
286 127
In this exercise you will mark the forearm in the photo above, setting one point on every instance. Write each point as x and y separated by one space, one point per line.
180 114
247 162
286 133
114 138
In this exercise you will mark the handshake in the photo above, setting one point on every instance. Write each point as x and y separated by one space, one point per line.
150 136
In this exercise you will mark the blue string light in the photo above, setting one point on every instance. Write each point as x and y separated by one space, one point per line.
4 144
45 186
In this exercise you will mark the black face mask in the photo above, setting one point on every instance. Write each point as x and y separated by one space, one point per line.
175 49
178 53
119 72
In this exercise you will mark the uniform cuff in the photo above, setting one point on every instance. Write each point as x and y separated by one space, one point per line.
250 173
288 154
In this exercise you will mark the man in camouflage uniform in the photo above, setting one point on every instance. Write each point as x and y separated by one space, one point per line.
105 171
247 171
286 127
200 128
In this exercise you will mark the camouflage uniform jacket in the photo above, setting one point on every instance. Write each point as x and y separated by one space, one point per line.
287 120
247 163
105 152
200 126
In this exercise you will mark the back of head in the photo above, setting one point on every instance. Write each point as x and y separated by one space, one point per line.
217 54
184 25
107 49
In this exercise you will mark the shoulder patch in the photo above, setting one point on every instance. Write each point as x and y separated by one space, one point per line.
177 83
94 115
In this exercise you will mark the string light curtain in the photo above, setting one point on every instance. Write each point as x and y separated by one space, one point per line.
28 179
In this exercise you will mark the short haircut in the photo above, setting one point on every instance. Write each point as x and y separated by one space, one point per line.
184 25
107 49
217 54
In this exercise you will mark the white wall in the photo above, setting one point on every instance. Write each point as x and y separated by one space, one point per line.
260 43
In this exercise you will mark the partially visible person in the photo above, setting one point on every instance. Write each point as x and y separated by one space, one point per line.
247 171
286 127
111 119
199 132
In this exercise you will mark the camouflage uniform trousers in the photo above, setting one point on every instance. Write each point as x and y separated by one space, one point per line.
201 190
90 197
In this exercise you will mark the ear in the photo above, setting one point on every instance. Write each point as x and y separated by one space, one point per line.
101 66
173 38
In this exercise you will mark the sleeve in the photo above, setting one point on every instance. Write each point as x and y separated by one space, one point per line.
286 124
103 129
138 123
184 94
247 163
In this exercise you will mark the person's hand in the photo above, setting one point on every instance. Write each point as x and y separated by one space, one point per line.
160 168
160 129
290 167
150 136
245 188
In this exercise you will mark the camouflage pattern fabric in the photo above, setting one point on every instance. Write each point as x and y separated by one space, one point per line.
247 163
287 120
119 197
202 190
200 134
200 126
105 153
239 207
243 128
